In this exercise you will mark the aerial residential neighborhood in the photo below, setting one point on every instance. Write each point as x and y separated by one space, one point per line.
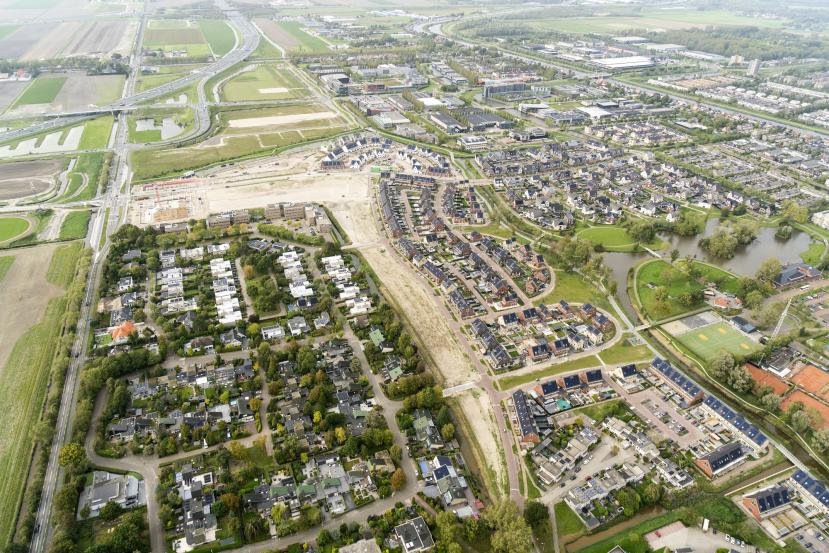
474 276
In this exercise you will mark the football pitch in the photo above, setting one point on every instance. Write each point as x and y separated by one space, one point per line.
707 341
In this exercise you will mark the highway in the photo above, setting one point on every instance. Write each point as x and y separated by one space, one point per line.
249 42
113 205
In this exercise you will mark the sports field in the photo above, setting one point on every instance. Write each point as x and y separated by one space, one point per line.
706 342
265 82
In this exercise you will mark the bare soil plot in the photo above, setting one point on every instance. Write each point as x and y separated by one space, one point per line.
17 43
78 92
276 33
51 43
161 37
477 411
24 294
9 91
281 119
97 37
27 178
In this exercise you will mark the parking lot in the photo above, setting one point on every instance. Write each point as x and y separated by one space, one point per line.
812 540
654 410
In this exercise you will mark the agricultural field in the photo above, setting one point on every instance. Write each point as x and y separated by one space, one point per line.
264 82
42 90
244 133
220 37
68 39
28 178
290 36
9 91
176 38
32 295
75 225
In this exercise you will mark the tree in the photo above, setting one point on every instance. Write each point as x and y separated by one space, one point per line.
820 441
674 255
535 513
768 270
753 299
396 453
721 365
72 455
236 449
111 511
661 294
448 529
448 431
770 401
800 421
794 212
340 435
398 480
511 533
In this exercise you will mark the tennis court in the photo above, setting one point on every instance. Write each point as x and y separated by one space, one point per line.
707 341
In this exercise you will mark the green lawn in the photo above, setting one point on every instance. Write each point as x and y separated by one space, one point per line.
12 227
654 274
96 133
90 165
708 341
23 384
219 35
567 522
509 382
5 264
75 225
724 280
622 352
613 238
177 35
573 288
42 90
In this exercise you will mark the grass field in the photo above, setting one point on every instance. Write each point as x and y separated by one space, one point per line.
708 341
5 264
219 35
509 382
75 225
572 287
613 238
23 384
184 118
567 522
43 90
266 82
6 30
166 74
96 133
622 352
12 227
654 274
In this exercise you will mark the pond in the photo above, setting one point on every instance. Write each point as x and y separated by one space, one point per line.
745 262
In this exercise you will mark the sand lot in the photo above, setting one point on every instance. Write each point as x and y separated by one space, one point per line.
281 119
478 413
27 178
24 294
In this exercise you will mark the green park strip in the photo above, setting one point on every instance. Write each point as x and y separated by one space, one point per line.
573 288
75 225
5 264
219 35
23 383
623 352
42 90
509 382
96 134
